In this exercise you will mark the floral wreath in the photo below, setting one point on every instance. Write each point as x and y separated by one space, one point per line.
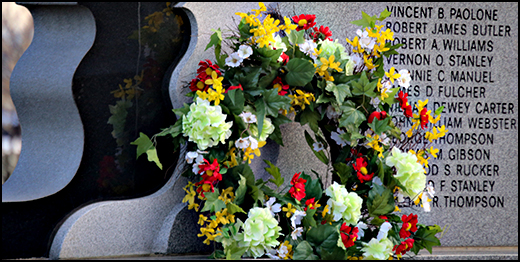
288 68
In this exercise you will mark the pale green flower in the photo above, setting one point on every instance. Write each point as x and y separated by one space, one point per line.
377 249
349 67
205 124
260 232
410 173
344 204
267 128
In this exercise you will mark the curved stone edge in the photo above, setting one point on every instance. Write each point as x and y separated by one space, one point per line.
124 227
41 89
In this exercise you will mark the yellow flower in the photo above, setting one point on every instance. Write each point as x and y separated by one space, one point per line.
392 75
227 194
119 93
205 231
420 105
355 44
368 62
325 211
202 219
261 9
442 131
289 209
193 206
387 35
396 209
221 217
232 158
215 79
248 152
288 26
433 151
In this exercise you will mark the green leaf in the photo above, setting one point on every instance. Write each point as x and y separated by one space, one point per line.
380 126
274 102
299 72
384 15
233 208
234 101
351 118
308 116
145 145
215 40
297 37
320 155
244 29
182 111
213 204
366 21
340 91
275 172
324 237
380 201
438 111
313 188
174 130
344 171
391 96
234 252
240 193
425 237
308 220
363 86
248 78
260 107
304 251
337 253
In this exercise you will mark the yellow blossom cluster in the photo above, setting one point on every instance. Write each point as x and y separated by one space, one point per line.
190 197
301 99
377 39
130 89
263 31
374 143
325 65
210 226
216 92
250 152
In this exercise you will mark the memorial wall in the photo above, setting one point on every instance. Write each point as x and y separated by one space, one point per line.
463 57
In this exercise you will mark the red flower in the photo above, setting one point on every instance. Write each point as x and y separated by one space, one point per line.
310 203
424 118
239 86
404 247
285 58
277 83
361 167
304 21
203 65
348 235
321 33
354 153
204 186
409 224
298 189
403 102
379 115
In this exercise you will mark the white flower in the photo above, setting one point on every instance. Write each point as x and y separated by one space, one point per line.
282 251
349 67
430 188
234 60
333 112
271 253
425 202
365 41
400 196
190 156
404 80
278 43
308 48
376 180
358 60
384 139
296 218
318 147
297 233
248 117
273 208
374 101
361 227
253 142
386 87
383 230
336 137
244 51
242 143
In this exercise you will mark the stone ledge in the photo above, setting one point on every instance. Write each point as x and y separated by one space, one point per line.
465 253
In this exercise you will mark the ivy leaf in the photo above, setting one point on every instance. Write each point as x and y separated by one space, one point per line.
174 130
145 145
351 118
234 252
248 78
366 21
299 72
391 96
340 91
215 39
213 204
304 251
308 220
363 86
274 102
234 101
233 208
380 201
425 237
275 172
380 126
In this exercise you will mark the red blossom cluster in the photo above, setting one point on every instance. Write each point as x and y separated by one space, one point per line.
409 224
203 74
311 204
210 177
298 189
304 22
348 235
424 117
404 247
321 33
282 89
403 102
